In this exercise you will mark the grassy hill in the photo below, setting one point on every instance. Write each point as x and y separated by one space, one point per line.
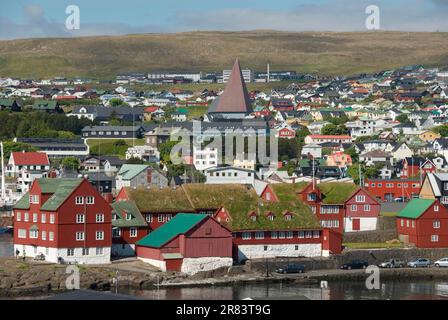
316 52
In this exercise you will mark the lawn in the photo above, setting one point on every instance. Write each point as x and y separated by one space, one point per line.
112 147
196 112
372 245
389 214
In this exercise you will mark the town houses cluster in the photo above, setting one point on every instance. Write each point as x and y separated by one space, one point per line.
348 147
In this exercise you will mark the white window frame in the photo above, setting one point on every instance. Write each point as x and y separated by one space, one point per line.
90 200
21 233
51 236
80 236
301 234
354 207
133 232
34 234
44 235
289 234
70 252
52 218
79 200
116 232
259 235
360 198
367 207
18 216
274 235
99 218
80 218
435 238
99 235
43 218
149 218
436 224
246 235
99 251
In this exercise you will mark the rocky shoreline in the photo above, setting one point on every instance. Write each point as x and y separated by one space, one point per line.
20 279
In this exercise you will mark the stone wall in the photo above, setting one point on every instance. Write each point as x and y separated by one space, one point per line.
374 257
386 230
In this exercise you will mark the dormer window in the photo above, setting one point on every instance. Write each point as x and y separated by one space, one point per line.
34 198
270 216
128 216
288 217
253 216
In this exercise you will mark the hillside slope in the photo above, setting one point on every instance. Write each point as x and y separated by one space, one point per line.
317 52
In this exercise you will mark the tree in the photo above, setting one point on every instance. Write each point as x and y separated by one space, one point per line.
442 130
353 154
402 118
9 146
165 150
115 102
366 171
135 160
70 163
332 129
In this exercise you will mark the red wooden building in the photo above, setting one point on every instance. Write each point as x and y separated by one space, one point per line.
128 226
63 218
410 168
342 207
388 190
189 243
424 222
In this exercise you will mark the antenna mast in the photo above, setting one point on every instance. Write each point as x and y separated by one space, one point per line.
3 194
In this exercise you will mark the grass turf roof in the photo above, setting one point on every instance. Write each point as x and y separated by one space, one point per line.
240 201
336 192
415 208
160 200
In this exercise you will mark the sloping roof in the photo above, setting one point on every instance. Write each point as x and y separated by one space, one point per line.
160 200
129 171
415 208
30 158
24 202
180 224
336 192
121 208
60 188
45 104
235 97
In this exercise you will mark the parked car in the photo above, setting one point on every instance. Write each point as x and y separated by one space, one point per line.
40 257
419 263
441 263
400 199
355 264
292 268
392 263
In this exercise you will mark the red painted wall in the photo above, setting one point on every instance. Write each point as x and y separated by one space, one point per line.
423 228
398 188
65 226
360 212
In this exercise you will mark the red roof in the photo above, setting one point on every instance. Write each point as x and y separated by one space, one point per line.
151 109
322 136
235 97
30 158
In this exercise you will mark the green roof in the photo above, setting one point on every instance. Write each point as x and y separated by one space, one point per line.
237 199
121 208
415 208
182 110
180 224
129 171
24 202
60 188
336 192
45 105
7 102
160 200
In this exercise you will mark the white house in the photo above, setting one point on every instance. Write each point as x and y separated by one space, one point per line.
312 149
228 175
205 158
27 166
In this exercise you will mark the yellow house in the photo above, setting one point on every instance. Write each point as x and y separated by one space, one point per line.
428 136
